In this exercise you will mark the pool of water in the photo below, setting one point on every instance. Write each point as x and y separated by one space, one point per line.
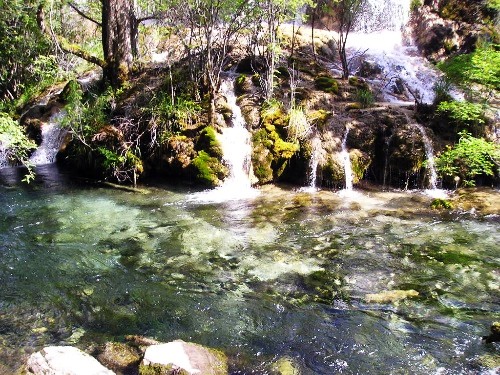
286 273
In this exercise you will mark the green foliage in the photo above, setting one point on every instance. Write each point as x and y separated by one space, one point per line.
365 97
439 203
327 84
470 158
442 91
22 48
415 4
480 67
462 115
14 144
175 115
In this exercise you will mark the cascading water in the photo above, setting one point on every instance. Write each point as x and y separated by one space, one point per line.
346 161
313 166
52 137
237 150
380 31
431 168
3 157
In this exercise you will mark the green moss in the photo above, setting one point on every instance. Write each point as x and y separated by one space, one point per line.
208 170
285 366
319 118
157 369
285 150
327 84
209 143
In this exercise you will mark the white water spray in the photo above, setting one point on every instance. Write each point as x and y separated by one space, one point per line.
431 168
313 166
4 162
52 138
380 31
346 161
237 151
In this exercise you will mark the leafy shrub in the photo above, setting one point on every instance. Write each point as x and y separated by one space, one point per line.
415 4
481 67
14 144
365 97
442 90
469 159
462 115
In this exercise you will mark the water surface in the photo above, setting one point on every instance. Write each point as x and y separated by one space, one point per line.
286 273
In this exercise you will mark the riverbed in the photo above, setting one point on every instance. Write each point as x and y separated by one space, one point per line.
369 282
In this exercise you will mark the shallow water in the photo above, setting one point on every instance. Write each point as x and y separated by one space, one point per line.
283 274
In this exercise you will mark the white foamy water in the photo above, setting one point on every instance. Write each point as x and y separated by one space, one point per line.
3 157
346 161
237 151
52 138
380 31
313 167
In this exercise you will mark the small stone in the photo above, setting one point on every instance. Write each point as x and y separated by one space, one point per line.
119 357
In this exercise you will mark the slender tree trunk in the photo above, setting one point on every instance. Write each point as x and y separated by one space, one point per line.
116 40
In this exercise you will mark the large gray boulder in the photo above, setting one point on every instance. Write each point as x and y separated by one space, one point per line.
179 357
64 360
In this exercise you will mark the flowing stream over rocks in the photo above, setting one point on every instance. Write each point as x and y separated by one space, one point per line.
382 38
52 138
372 283
237 150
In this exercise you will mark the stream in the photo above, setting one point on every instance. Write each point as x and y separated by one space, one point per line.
282 274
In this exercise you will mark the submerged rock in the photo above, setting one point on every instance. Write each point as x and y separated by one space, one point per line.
494 336
179 357
285 366
119 357
391 296
65 360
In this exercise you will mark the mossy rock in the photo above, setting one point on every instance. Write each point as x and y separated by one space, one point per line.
327 84
332 173
209 143
285 366
243 84
325 286
319 118
209 171
359 83
360 162
262 159
119 357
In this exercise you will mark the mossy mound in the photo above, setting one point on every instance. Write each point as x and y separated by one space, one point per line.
209 171
327 84
209 143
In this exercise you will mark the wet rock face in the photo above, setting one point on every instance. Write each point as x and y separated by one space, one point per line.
64 360
437 37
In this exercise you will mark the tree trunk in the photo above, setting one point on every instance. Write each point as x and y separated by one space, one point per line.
116 40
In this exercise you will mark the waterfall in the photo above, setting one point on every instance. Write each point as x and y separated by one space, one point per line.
313 166
4 162
52 138
429 154
237 151
379 37
346 161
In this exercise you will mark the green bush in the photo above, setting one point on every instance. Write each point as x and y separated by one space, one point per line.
15 144
469 159
462 115
415 4
481 67
365 97
442 90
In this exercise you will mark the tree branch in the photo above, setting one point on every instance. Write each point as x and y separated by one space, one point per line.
75 8
80 52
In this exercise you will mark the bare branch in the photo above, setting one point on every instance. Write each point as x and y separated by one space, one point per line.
82 14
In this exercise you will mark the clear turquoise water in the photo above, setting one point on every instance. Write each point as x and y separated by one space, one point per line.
284 274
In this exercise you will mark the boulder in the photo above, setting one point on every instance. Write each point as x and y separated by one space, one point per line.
65 360
180 357
119 357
